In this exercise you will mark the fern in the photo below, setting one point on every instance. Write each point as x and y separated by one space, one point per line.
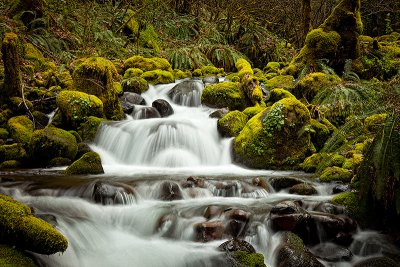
187 58
222 56
348 74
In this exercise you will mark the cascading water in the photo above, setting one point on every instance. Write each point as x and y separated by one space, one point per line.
146 212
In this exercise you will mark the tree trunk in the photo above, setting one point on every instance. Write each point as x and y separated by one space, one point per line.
12 76
306 12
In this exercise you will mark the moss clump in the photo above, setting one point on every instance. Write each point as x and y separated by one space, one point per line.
158 76
136 85
272 67
212 71
319 134
277 94
148 64
250 112
197 73
77 106
88 129
353 163
179 74
52 142
310 164
132 72
20 228
225 94
374 122
232 123
58 162
10 164
323 44
11 257
334 173
282 81
89 163
351 201
4 133
309 86
244 68
21 129
34 55
12 152
251 86
274 138
233 77
248 259
131 27
5 115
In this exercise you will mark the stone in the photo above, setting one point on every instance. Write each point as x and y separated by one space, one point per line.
209 231
163 107
169 191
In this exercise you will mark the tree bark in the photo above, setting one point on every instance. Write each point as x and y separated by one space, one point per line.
306 12
12 75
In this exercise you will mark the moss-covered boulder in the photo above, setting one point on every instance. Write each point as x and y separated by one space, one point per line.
11 257
319 134
97 76
12 152
179 74
309 86
21 129
281 81
272 67
5 115
89 163
10 164
158 77
88 129
247 259
52 142
277 94
375 122
225 94
334 173
76 107
4 134
232 123
148 64
351 201
353 162
20 228
310 164
244 68
210 71
275 138
136 85
250 112
132 72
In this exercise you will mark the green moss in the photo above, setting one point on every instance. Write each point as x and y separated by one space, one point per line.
132 72
4 133
244 68
5 115
20 228
34 55
10 164
273 138
322 44
135 84
351 201
77 106
353 163
197 73
21 129
310 164
158 77
272 67
150 39
232 123
252 111
58 162
148 64
11 257
319 134
224 94
89 163
76 135
52 142
251 86
277 94
12 152
375 122
179 74
248 259
282 81
310 85
131 24
212 71
88 129
331 174
233 77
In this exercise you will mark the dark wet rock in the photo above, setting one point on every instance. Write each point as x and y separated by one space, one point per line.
332 252
169 191
58 162
108 194
192 182
261 182
213 211
209 231
329 208
127 107
41 119
377 261
83 148
218 114
293 253
226 189
303 189
6 179
238 222
166 225
279 183
341 188
163 107
236 245
287 207
133 98
186 93
147 113
210 80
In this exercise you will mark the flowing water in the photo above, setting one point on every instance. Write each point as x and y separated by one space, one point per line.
144 211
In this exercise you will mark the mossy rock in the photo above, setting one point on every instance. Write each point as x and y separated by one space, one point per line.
50 143
83 148
233 77
197 73
89 163
21 129
224 94
309 86
4 134
19 107
136 85
272 67
232 123
89 128
322 44
250 112
12 152
34 55
375 122
244 68
332 174
77 106
10 164
353 163
247 259
310 164
352 203
303 189
212 71
281 81
179 74
277 94
148 64
5 115
11 257
20 228
76 135
251 86
58 162
319 134
158 77
275 138
132 72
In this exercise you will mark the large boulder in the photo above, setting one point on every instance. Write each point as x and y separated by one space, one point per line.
129 100
111 193
169 191
147 64
12 152
158 77
76 107
186 93
52 142
89 163
135 85
21 129
163 107
209 231
88 129
232 123
18 227
275 138
225 95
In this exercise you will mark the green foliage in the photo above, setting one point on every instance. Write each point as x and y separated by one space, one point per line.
249 259
187 58
222 56
274 120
